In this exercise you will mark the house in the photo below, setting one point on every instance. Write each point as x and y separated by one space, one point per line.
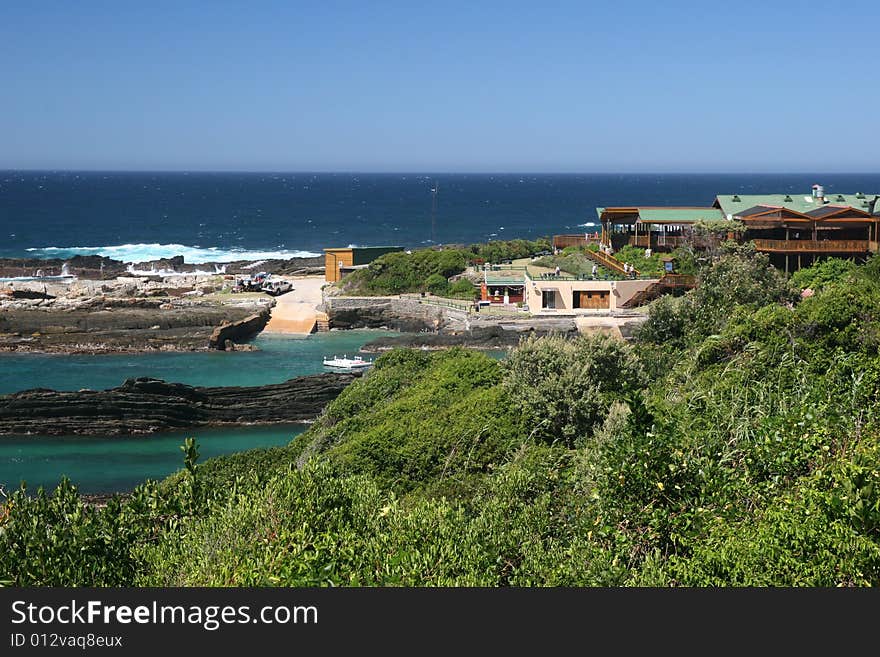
795 230
657 228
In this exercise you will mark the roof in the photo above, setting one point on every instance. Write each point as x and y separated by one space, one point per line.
505 277
364 248
679 215
734 204
660 214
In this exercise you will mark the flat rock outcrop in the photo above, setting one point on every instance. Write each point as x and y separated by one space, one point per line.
231 332
106 325
146 405
399 314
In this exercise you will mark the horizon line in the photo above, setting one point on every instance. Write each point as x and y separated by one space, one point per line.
443 173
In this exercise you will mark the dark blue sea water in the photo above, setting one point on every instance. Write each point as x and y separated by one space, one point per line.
229 216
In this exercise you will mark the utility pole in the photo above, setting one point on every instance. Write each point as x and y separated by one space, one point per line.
434 190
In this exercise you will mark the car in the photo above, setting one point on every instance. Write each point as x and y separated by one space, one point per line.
277 287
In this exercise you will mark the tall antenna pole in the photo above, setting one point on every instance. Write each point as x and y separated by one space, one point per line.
434 190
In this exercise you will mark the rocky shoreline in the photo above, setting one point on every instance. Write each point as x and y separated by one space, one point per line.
145 405
95 305
103 268
483 337
100 326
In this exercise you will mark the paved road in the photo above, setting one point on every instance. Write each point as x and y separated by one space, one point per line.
295 312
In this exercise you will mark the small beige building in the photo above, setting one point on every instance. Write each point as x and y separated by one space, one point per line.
572 296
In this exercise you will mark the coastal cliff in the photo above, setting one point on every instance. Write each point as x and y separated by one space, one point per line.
146 405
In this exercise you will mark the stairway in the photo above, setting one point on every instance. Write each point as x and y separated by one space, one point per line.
667 283
608 262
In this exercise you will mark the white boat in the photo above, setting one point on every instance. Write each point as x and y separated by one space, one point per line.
346 364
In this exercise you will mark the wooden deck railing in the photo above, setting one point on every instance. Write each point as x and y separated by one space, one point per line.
678 280
666 283
809 246
562 241
659 240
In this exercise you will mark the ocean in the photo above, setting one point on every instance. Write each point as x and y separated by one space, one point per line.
220 217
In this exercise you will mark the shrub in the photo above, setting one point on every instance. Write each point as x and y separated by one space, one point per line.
564 386
398 272
437 284
822 272
463 289
407 427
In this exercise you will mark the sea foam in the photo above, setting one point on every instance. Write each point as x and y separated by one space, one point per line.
135 253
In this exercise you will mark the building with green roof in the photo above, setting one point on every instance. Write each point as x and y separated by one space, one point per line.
793 229
653 227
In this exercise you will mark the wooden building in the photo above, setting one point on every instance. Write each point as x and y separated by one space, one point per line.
657 228
339 261
793 229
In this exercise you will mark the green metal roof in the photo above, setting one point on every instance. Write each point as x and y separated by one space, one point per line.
505 277
665 215
802 203
682 215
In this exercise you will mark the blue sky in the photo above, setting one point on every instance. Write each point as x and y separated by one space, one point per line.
458 87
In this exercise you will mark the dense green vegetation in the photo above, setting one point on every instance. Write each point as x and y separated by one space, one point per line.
734 442
429 270
573 260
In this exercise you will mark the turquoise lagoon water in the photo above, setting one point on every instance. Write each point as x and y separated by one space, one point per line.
280 358
119 463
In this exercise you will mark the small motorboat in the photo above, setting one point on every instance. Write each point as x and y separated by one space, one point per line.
346 364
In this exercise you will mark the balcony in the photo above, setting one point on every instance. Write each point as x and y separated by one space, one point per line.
809 246
661 240
583 239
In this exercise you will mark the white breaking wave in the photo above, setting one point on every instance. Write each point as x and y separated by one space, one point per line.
589 223
194 255
131 269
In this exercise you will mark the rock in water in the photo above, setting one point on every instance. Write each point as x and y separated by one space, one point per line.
146 405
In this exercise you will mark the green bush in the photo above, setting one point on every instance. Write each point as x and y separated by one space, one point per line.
407 428
737 442
823 272
437 284
499 250
463 289
564 386
399 272
635 256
